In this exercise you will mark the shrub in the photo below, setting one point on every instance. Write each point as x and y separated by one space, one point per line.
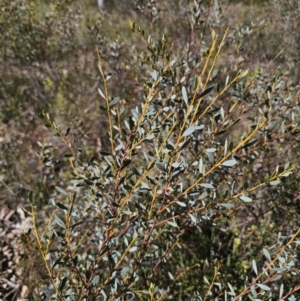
161 175
179 203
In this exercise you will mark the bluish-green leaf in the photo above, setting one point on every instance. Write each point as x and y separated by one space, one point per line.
254 266
207 185
229 163
281 290
160 167
274 183
263 287
173 224
245 199
61 190
154 74
181 204
184 95
114 101
101 93
192 129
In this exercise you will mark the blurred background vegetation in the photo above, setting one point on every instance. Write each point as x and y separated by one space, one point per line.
48 61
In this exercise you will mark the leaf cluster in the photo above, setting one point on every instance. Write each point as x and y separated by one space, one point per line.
179 178
181 166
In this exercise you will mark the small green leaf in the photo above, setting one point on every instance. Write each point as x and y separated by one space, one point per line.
126 163
250 143
60 205
135 171
225 147
114 101
45 277
243 73
150 137
227 205
286 174
220 132
214 36
193 219
101 93
232 292
181 204
274 183
263 287
207 185
160 167
184 95
30 197
95 281
210 150
72 203
62 284
154 74
171 276
229 163
184 145
133 249
61 190
254 266
205 92
191 130
267 254
188 132
67 132
253 291
59 222
56 262
245 199
173 224
76 224
281 291
170 147
68 292
227 80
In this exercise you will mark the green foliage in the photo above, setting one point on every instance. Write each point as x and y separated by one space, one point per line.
161 213
191 191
